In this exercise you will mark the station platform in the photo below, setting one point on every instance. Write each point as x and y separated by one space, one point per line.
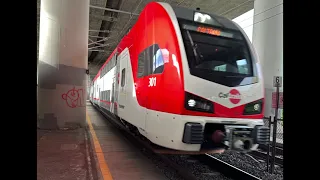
96 152
64 154
123 159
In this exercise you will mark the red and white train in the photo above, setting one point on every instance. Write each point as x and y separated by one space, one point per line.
186 80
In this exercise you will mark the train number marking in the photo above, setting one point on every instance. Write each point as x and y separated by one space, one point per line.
152 81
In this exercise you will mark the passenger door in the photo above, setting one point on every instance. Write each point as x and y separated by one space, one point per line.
116 86
99 101
122 100
112 96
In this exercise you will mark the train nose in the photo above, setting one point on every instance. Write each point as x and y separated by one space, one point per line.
217 136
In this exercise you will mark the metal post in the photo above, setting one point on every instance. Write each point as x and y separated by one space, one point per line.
274 138
268 150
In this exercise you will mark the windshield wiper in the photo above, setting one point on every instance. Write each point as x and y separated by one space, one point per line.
193 47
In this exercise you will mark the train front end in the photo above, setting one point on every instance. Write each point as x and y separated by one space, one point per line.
223 83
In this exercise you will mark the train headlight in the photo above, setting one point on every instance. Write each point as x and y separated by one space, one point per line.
253 108
256 107
196 103
191 102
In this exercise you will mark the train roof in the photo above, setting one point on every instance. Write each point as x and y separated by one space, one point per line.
109 58
188 14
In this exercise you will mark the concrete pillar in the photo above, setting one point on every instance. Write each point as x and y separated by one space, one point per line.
63 60
268 41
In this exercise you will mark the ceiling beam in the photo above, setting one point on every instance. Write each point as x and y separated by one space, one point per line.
99 36
104 18
99 50
114 10
105 31
104 39
103 45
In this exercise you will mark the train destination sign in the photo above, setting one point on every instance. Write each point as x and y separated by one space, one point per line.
211 31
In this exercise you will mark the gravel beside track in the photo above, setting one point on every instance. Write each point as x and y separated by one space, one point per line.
250 165
201 171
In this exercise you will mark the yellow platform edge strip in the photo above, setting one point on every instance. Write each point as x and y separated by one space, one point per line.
102 162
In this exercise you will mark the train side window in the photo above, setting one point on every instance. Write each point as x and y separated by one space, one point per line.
141 61
150 61
108 95
157 61
123 77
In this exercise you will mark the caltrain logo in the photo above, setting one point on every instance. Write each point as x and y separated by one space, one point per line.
234 96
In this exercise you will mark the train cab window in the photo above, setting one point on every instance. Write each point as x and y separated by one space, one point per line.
220 68
123 77
225 61
242 66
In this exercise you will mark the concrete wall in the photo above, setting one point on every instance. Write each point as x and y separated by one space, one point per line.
268 41
245 21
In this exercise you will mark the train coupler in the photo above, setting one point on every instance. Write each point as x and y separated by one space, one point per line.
245 138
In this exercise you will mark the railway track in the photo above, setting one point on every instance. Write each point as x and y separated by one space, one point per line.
213 163
279 148
262 153
263 156
225 168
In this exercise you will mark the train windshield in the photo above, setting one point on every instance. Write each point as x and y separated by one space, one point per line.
218 59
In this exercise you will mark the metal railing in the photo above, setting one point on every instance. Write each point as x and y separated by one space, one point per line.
276 128
279 131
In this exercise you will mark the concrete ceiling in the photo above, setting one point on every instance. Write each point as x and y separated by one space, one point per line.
115 24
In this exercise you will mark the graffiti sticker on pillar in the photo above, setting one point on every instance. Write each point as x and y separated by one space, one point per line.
73 98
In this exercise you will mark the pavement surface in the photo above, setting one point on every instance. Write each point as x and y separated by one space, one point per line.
97 152
64 155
